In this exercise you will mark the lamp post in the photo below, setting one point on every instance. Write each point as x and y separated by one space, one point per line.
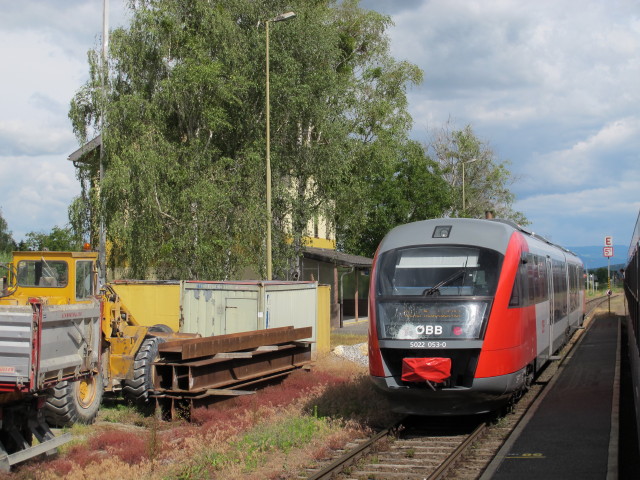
279 18
463 198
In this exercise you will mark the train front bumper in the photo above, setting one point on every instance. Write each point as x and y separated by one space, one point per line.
485 395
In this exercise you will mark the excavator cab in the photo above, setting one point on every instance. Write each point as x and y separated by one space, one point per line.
59 278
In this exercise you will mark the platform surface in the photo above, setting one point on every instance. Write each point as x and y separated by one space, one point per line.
573 434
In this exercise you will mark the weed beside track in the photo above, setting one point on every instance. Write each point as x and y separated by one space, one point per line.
274 433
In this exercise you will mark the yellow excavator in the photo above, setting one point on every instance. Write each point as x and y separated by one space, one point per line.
64 341
62 344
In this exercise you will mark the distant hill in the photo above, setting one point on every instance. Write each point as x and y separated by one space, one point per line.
592 256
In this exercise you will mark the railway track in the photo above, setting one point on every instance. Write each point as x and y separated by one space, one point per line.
433 447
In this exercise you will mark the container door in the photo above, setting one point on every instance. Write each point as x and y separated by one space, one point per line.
241 315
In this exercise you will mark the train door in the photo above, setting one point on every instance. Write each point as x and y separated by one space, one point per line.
552 319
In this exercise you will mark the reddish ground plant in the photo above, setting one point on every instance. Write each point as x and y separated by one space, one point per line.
128 447
356 400
335 398
82 455
294 387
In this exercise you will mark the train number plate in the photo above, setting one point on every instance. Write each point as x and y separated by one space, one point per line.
427 344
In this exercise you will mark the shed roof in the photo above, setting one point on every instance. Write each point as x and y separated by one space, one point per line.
86 149
339 258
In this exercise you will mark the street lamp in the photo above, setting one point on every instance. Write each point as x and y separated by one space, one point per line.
463 199
279 18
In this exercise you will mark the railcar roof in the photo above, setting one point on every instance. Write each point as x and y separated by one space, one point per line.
494 234
463 231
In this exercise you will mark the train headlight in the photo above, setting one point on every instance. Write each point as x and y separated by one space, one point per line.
442 231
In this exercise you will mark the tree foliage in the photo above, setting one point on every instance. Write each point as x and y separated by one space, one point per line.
486 178
58 240
405 187
7 244
184 134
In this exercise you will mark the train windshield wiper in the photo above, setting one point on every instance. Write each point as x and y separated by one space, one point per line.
434 289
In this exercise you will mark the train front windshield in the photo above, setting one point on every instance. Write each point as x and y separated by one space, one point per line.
435 292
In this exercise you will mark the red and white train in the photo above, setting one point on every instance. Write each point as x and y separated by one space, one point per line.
464 312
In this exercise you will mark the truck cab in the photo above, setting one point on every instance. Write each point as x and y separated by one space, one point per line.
59 278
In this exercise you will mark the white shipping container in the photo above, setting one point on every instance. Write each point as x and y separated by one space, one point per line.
221 308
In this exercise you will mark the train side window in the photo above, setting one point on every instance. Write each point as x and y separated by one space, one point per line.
531 271
520 292
573 287
516 293
542 292
559 287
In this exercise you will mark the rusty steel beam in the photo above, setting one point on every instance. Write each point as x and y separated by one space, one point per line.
223 357
176 346
180 405
216 373
208 346
201 371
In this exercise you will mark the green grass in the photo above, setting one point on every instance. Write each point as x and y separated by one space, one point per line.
122 413
603 291
265 439
255 447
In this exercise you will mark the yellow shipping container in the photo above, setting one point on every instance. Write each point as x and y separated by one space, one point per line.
151 302
323 322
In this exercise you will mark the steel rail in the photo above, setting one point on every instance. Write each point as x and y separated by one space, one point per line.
361 450
351 456
444 467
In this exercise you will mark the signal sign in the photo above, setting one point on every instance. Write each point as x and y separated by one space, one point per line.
607 251
608 241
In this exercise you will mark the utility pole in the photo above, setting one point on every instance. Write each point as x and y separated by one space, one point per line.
280 18
102 235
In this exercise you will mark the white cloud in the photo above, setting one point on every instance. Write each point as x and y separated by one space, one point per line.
494 62
552 85
584 217
37 192
43 46
600 158
23 138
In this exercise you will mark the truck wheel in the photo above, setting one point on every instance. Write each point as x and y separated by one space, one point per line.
137 390
74 402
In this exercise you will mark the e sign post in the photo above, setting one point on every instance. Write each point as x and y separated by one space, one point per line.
607 251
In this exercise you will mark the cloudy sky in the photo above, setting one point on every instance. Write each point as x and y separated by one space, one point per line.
552 85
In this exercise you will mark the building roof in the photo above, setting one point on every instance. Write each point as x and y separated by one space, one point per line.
339 258
87 148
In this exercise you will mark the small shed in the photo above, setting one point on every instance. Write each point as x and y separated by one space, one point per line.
348 276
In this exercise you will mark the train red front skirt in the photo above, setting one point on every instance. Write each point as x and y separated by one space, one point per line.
431 369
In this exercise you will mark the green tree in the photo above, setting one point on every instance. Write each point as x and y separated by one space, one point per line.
404 187
7 244
58 240
601 275
486 178
184 187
